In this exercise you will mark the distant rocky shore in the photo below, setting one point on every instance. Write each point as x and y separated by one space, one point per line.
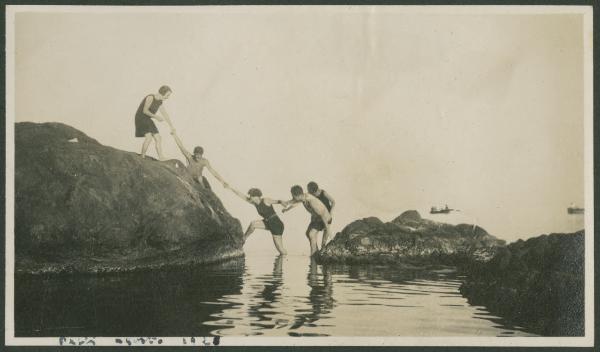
84 207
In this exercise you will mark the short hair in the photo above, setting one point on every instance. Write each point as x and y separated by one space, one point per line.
297 190
312 186
199 150
254 192
164 90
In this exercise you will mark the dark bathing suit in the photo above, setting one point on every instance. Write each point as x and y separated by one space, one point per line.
270 219
324 200
143 122
315 221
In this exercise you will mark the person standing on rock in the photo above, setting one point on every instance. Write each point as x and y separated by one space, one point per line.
197 163
145 127
320 219
270 220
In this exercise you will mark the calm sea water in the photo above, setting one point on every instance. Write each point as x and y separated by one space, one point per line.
255 296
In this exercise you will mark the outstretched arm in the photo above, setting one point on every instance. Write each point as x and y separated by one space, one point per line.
288 207
269 201
163 112
147 111
184 151
215 174
239 194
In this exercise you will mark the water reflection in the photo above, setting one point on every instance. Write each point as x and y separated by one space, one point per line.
282 296
268 297
163 303
320 298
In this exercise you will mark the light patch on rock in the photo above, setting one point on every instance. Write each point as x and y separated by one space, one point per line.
186 185
353 235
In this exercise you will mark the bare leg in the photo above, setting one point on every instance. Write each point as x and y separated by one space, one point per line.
158 145
278 242
257 224
326 234
278 266
147 140
311 234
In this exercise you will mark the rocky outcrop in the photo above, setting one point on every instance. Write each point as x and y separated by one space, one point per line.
84 207
537 283
410 239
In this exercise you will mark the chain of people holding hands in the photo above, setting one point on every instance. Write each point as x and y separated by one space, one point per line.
316 201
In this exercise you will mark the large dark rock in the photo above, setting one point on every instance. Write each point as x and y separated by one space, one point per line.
410 239
84 207
537 283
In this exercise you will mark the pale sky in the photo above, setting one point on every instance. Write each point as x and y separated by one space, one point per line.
388 111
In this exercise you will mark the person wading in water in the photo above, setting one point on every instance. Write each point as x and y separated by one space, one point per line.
320 219
323 196
145 127
270 220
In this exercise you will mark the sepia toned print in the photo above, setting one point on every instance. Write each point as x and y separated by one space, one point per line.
442 156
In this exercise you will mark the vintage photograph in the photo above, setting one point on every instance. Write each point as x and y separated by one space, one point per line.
299 175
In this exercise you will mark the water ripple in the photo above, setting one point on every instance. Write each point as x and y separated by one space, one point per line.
256 296
299 296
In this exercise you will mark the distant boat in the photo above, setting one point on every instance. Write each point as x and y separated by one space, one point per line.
444 210
575 210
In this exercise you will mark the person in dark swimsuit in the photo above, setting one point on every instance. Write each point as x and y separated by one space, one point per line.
323 196
320 218
145 127
270 220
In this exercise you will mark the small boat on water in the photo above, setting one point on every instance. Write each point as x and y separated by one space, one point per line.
444 210
575 210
